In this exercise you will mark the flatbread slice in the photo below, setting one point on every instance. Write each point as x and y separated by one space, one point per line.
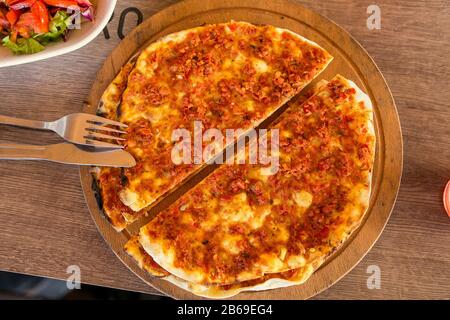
246 221
231 75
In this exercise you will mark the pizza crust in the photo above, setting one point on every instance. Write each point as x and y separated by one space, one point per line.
218 292
134 249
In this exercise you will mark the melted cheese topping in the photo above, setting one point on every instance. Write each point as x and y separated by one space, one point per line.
230 75
259 224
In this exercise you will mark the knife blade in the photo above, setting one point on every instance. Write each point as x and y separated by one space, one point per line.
68 154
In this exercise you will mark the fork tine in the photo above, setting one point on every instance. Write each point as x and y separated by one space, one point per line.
97 135
94 127
97 119
102 144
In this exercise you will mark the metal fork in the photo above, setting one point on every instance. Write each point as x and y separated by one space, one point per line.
79 128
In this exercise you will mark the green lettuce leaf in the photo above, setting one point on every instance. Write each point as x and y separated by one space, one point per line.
57 28
23 46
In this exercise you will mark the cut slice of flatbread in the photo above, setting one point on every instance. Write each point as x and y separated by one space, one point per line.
246 221
109 181
232 75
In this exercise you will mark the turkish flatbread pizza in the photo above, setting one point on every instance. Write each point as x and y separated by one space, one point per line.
224 76
249 226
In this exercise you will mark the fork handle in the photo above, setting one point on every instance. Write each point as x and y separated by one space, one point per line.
24 123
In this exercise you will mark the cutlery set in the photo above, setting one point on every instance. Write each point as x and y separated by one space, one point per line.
92 141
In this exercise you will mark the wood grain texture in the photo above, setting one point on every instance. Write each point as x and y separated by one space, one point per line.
46 225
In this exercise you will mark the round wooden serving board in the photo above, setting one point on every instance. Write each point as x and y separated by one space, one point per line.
350 60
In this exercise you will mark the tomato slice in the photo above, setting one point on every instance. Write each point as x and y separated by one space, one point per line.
12 16
447 198
25 25
36 20
11 2
40 12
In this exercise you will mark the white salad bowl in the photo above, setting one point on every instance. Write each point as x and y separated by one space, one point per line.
77 38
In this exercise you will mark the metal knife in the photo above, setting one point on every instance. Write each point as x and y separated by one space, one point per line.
69 154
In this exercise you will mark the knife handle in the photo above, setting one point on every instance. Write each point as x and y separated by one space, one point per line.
22 152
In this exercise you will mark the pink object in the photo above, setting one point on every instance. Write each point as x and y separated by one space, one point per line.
447 198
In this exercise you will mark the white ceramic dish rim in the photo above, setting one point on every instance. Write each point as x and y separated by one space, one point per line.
53 52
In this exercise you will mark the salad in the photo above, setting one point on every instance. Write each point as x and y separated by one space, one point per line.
27 26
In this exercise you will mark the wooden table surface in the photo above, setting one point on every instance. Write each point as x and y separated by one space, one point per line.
46 226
